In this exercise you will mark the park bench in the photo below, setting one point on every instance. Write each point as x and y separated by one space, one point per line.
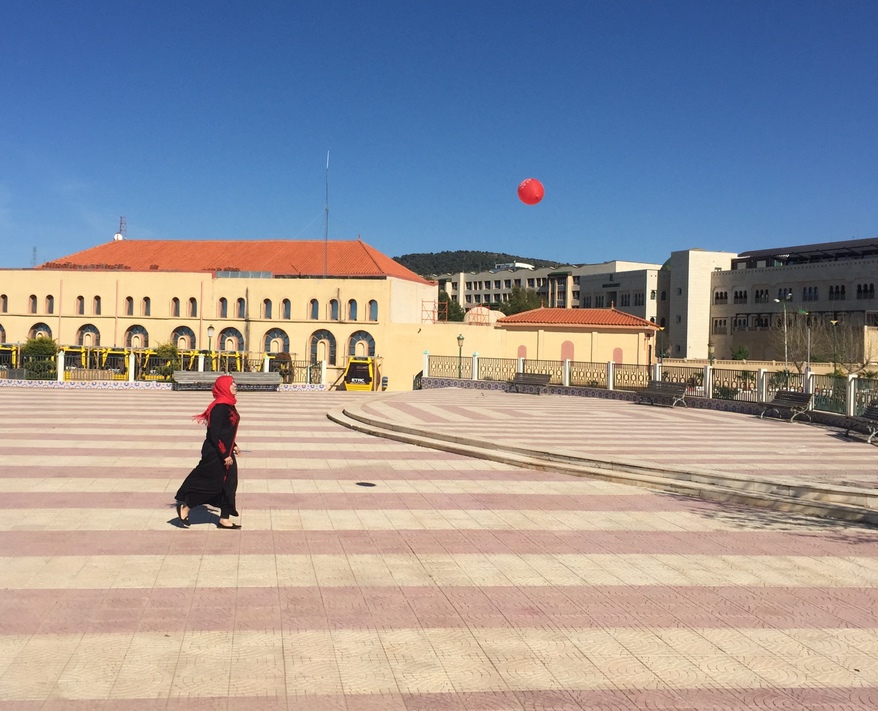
198 380
660 391
868 421
531 382
791 401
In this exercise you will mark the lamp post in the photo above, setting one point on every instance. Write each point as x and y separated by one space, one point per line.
834 322
786 360
460 356
210 332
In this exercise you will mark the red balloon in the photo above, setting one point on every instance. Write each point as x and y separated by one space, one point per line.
531 191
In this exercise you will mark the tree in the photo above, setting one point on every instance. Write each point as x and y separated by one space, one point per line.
38 358
804 337
169 359
455 311
520 300
740 353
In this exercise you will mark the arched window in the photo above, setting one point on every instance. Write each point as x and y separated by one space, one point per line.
50 304
145 306
277 341
333 310
287 309
32 303
88 335
193 307
129 306
322 347
313 309
240 308
352 310
175 307
96 306
183 337
40 330
230 339
80 305
2 335
373 310
361 344
266 308
136 337
4 303
664 296
223 310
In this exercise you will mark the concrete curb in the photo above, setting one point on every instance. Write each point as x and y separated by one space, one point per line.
843 503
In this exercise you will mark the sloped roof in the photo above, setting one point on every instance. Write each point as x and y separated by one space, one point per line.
580 318
351 258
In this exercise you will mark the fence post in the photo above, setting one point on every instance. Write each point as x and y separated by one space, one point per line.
266 363
708 381
851 396
425 366
762 385
323 372
201 362
657 371
59 366
611 375
519 365
566 379
476 365
131 362
808 382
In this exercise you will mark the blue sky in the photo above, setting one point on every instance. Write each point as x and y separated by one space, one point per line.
654 126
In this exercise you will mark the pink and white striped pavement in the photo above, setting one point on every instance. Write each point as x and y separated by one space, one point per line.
453 584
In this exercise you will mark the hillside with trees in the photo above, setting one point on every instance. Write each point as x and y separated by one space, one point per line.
428 263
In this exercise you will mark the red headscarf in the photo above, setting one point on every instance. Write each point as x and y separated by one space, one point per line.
222 394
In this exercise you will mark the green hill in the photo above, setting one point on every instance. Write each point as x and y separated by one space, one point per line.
428 263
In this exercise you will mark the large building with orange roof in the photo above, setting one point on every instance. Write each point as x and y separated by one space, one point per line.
315 300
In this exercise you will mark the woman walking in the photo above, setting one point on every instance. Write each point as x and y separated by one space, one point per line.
215 480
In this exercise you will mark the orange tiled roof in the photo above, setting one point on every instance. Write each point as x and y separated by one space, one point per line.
608 318
351 258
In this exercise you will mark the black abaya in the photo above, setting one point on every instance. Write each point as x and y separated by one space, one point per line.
210 482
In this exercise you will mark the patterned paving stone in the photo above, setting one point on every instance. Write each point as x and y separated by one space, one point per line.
454 584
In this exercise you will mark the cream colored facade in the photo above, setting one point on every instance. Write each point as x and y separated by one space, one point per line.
387 317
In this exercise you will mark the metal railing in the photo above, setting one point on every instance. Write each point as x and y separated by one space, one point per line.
591 375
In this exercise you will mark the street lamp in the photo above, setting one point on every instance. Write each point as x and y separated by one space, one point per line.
786 359
834 322
210 332
460 356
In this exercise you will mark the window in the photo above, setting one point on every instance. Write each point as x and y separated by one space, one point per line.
639 298
80 306
323 347
352 310
361 344
145 306
4 303
286 308
266 309
50 304
223 310
599 301
679 291
129 306
193 308
496 283
478 298
175 307
664 296
96 306
313 309
333 309
530 283
586 302
679 319
240 308
624 299
507 283
373 310
32 303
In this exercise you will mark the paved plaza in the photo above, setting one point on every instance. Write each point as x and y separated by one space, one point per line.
453 584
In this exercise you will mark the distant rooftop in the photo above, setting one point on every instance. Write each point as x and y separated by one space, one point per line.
808 253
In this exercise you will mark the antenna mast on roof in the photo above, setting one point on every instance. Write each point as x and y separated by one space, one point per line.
326 217
123 230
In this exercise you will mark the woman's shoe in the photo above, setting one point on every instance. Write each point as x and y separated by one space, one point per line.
232 527
183 521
